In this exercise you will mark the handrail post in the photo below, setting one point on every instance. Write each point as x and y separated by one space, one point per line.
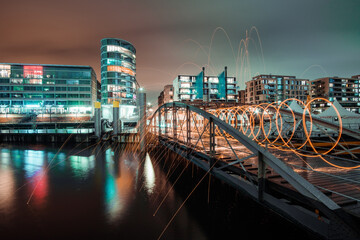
261 176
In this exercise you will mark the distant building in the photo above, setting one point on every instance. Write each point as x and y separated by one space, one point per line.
205 88
241 97
344 90
275 88
166 96
118 71
356 76
118 79
44 88
161 98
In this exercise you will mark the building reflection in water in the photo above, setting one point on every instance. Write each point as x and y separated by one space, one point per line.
120 182
35 164
149 175
7 183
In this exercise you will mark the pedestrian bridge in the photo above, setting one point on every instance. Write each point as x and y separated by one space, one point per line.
302 167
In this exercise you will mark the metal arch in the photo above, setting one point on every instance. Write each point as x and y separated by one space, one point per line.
299 183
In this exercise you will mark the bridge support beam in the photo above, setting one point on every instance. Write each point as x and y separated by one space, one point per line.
97 121
116 128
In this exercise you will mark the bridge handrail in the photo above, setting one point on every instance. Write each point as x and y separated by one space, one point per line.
298 182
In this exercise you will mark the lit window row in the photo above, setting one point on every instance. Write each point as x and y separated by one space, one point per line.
121 69
33 71
111 61
112 88
113 48
185 78
185 85
213 79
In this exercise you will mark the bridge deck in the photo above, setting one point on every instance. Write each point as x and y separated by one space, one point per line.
341 185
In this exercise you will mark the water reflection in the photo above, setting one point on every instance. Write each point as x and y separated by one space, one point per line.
149 175
7 188
121 175
101 190
33 162
38 188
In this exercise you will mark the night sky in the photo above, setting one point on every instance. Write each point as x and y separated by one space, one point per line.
307 38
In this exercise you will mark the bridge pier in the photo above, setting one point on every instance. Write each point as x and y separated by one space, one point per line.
97 120
116 125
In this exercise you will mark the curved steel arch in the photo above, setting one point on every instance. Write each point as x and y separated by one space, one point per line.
299 183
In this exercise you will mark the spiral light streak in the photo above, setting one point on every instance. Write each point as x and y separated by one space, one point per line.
264 122
272 125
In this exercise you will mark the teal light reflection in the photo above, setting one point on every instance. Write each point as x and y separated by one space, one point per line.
33 161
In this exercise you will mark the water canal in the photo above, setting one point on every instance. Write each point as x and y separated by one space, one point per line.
110 191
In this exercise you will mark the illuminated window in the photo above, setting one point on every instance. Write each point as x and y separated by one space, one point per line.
112 88
49 82
35 81
184 90
185 85
113 48
16 80
73 82
231 80
17 95
213 80
5 70
185 78
33 71
112 68
18 88
184 96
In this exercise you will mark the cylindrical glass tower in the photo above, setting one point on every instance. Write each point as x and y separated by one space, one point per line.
118 72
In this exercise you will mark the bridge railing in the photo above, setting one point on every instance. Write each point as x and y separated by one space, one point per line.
197 129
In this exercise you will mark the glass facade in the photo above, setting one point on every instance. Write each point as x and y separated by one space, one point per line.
27 88
118 72
206 88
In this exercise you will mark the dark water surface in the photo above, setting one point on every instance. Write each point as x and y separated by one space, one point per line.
111 192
